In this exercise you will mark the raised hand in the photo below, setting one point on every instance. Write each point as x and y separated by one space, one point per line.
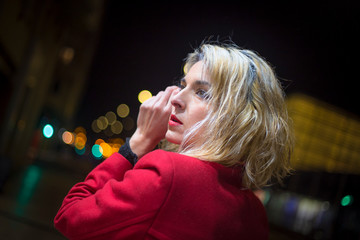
152 122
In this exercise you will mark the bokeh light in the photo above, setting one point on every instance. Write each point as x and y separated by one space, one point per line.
80 129
111 117
68 137
97 151
115 147
116 143
99 141
347 200
94 126
144 95
107 150
80 151
102 123
67 54
123 110
80 140
48 131
117 127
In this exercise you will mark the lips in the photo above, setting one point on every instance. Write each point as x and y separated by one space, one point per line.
174 121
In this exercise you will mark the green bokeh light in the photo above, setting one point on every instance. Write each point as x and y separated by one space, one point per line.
347 200
97 151
48 131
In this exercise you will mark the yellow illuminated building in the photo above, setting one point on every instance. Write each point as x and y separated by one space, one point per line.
327 139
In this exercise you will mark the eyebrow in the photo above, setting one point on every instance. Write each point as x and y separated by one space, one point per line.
197 82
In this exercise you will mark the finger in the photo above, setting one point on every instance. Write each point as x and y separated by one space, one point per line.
167 94
160 94
175 91
149 101
154 99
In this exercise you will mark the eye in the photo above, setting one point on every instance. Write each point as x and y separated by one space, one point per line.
202 93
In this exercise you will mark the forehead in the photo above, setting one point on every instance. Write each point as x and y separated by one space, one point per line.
197 72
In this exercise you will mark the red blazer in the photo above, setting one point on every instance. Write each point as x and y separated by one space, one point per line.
165 196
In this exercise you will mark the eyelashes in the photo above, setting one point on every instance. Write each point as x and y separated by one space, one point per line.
199 89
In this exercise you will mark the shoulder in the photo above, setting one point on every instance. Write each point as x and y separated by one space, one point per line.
171 161
159 159
184 167
162 157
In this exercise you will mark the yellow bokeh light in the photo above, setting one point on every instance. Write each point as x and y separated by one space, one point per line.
123 110
115 147
102 123
107 149
117 127
68 137
111 117
117 141
99 141
80 140
94 126
144 95
80 129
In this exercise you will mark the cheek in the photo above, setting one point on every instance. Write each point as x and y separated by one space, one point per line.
198 114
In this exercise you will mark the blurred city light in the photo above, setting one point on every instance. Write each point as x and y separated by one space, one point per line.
68 137
80 129
29 182
94 126
97 151
144 95
263 195
123 110
117 127
102 123
116 143
80 151
66 54
347 200
99 141
115 147
48 131
326 138
80 140
111 117
106 150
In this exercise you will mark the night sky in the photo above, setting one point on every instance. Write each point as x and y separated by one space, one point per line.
143 46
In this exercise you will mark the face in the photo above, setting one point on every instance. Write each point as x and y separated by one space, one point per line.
190 104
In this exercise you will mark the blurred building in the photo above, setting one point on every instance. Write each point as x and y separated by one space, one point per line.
321 200
46 48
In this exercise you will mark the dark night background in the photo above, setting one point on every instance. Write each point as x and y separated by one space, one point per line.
311 46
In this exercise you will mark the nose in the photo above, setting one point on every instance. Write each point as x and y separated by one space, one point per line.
177 99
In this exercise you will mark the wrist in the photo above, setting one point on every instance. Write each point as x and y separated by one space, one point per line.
126 152
141 145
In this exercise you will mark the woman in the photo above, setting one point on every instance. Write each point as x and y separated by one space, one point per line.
229 121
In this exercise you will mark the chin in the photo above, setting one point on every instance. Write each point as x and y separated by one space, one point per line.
173 138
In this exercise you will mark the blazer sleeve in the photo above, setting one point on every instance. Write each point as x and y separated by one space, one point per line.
115 196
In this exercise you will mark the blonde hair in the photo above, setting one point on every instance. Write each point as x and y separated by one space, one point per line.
247 124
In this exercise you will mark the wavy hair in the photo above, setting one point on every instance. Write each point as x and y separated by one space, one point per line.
247 124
